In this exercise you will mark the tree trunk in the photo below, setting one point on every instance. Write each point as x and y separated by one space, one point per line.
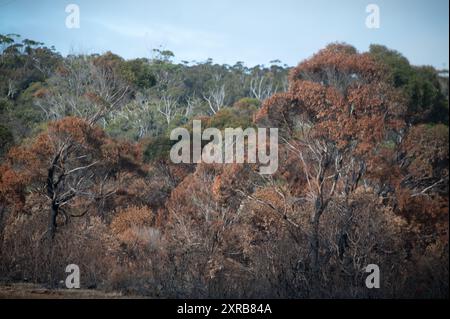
53 216
315 239
2 214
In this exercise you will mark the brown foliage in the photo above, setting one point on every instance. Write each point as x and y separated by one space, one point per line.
131 225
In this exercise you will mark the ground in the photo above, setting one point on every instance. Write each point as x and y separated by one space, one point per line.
32 291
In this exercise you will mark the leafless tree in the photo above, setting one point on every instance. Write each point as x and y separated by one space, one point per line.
84 89
137 114
331 173
215 95
168 107
68 176
261 87
321 164
12 89
192 103
215 98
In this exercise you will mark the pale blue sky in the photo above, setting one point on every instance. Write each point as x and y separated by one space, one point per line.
253 31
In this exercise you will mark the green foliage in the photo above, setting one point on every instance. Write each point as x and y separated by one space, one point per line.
427 103
399 67
5 105
139 72
23 66
177 121
22 63
158 148
232 118
389 144
422 86
6 139
248 103
163 56
25 110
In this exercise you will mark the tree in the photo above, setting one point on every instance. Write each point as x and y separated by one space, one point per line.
6 139
214 242
70 160
261 85
165 95
168 107
422 187
339 110
135 121
139 72
23 63
421 85
215 97
87 87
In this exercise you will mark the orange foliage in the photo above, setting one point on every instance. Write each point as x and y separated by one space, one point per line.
344 94
130 224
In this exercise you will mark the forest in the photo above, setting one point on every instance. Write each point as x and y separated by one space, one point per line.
86 177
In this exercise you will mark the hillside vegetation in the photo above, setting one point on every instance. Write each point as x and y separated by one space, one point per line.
85 175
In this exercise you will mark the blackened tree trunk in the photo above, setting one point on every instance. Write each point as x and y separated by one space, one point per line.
315 242
51 192
53 215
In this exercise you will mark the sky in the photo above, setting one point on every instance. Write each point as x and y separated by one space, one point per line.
228 31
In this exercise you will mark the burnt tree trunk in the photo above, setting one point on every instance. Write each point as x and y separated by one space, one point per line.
51 192
53 215
315 242
2 226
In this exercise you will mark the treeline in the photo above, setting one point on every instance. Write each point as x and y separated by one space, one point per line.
362 178
148 96
145 96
